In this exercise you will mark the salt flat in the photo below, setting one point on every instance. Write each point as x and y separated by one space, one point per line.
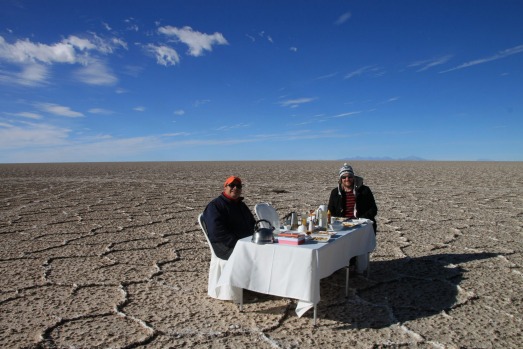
110 255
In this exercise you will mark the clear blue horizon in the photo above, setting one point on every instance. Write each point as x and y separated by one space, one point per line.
104 81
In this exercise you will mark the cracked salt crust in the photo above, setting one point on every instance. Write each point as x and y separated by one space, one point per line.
110 255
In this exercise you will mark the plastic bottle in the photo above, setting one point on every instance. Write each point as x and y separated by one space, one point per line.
304 219
311 226
322 218
294 221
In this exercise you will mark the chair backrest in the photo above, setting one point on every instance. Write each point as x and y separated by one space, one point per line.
204 229
265 211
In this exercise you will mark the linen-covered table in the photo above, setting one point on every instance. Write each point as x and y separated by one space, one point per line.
295 271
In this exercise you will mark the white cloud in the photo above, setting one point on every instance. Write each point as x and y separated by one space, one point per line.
24 51
201 102
232 127
346 114
31 74
33 58
103 148
165 55
502 54
27 115
293 49
139 108
59 110
328 76
343 18
179 112
96 73
100 111
369 69
293 103
31 135
197 42
66 51
429 63
176 134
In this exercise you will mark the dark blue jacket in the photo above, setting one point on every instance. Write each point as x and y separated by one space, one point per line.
227 221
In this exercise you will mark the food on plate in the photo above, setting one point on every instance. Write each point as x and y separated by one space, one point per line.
336 226
321 238
325 233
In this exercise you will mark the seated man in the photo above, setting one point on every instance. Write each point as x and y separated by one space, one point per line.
228 219
351 198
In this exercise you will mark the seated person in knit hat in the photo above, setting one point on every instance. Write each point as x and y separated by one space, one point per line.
351 198
228 218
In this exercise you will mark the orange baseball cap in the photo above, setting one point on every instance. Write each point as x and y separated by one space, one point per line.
232 179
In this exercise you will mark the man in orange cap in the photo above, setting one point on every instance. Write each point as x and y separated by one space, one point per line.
228 218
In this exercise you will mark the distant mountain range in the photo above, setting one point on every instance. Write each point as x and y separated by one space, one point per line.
384 158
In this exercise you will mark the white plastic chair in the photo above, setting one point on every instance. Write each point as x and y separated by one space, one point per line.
215 270
265 211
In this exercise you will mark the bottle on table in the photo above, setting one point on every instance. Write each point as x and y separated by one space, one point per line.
294 221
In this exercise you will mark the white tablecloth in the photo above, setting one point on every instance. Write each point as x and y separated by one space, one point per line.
295 271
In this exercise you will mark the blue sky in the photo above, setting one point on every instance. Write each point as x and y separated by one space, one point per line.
199 80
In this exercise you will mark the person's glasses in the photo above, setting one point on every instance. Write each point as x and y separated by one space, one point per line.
232 185
345 177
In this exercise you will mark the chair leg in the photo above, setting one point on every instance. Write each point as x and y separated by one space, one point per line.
314 317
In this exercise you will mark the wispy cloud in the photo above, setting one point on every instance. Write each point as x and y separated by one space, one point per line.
200 102
30 74
96 73
294 103
176 134
197 42
390 100
502 54
165 55
179 112
430 63
343 18
13 136
369 69
100 111
59 110
232 127
342 115
328 76
139 108
27 115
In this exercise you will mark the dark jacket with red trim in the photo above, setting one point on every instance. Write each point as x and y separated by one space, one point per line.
227 221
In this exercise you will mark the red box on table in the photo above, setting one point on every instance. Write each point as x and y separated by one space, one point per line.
291 238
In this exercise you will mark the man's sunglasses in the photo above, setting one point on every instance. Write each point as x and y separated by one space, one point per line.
232 185
345 177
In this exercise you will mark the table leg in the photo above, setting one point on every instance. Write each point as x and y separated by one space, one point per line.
241 299
347 282
314 319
